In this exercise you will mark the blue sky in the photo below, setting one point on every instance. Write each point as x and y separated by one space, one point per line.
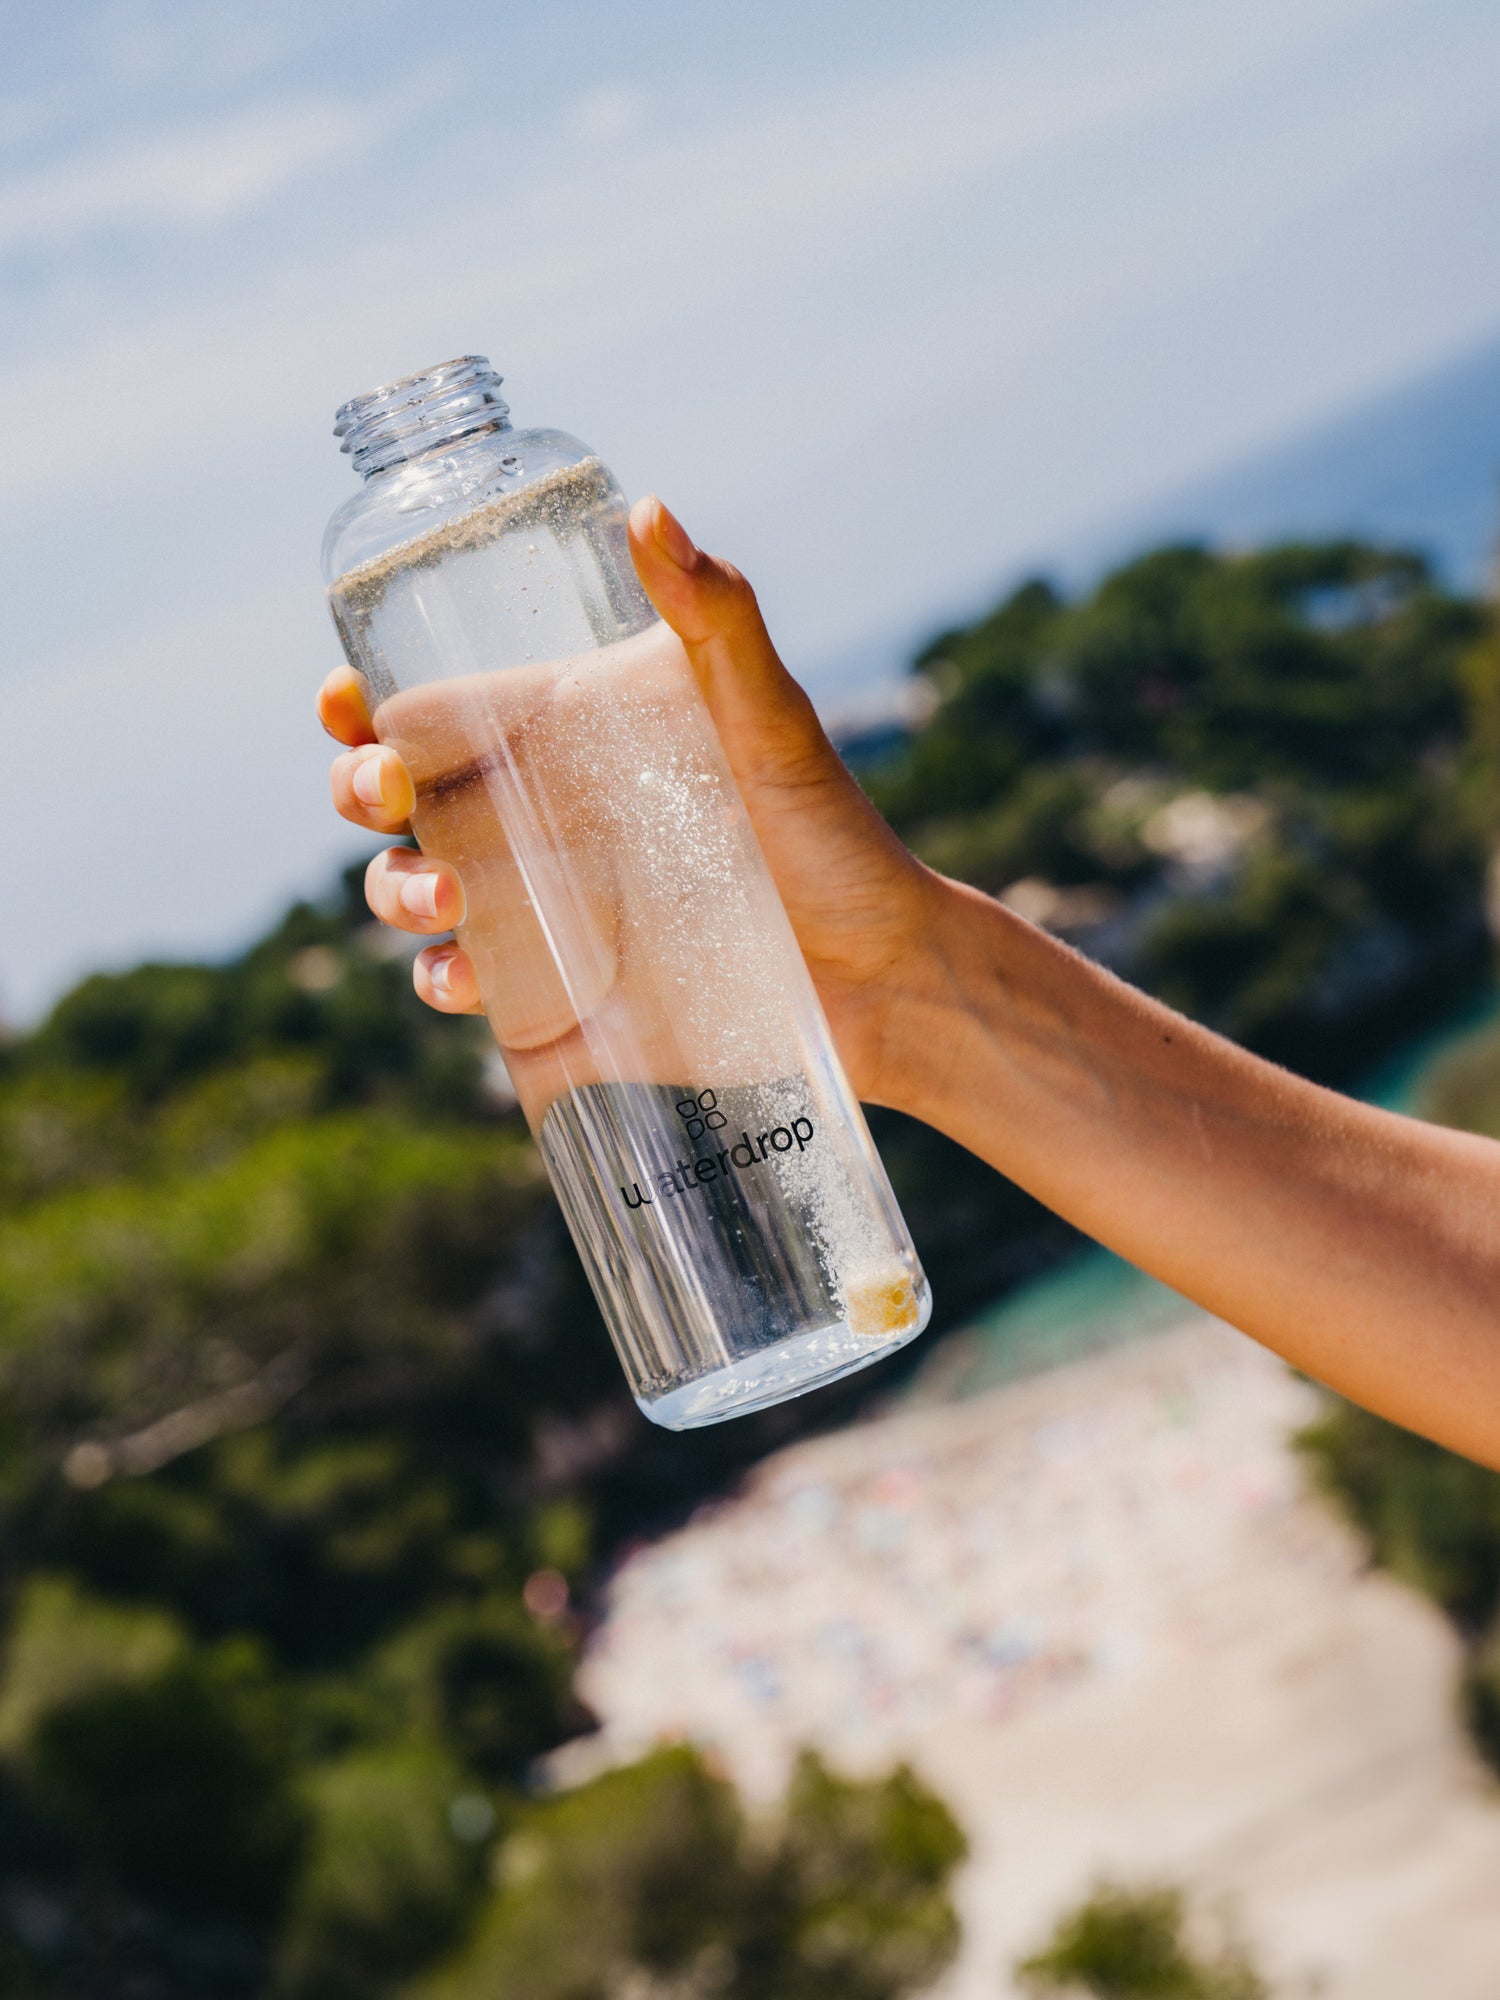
889 300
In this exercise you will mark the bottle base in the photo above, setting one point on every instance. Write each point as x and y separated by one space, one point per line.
776 1374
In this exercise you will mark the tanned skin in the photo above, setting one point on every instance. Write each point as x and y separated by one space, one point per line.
1362 1246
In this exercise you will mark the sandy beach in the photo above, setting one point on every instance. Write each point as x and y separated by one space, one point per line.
1101 1614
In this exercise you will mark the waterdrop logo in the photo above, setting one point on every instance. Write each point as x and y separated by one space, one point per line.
700 1114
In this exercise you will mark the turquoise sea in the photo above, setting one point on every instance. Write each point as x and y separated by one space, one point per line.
1097 1300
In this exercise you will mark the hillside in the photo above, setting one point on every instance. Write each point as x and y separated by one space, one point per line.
1254 784
315 1447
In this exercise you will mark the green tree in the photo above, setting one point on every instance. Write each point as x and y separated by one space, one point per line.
863 1870
1333 685
299 1381
386 1880
1131 1944
180 1784
1430 1517
652 1875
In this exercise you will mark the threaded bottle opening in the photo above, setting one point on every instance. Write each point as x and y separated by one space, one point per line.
430 411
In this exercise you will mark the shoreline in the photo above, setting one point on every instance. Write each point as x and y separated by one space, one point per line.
1098 1610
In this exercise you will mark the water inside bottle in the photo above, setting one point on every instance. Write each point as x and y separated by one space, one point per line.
714 1257
636 964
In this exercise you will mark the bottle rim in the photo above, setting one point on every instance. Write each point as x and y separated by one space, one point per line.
429 410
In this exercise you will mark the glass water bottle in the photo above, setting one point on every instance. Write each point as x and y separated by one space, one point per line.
635 962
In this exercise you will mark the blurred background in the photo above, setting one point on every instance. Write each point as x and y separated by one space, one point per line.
1105 400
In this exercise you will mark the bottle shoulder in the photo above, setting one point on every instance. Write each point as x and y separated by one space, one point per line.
411 500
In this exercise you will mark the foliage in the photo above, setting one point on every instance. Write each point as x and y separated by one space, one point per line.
1463 1090
1428 1516
1331 697
1479 1700
650 1879
298 1385
1130 1944
386 1878
1263 786
300 1382
180 1785
861 1872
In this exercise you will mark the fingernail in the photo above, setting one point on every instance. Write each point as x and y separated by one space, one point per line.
419 894
366 783
440 975
674 541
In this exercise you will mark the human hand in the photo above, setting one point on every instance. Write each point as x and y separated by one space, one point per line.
856 898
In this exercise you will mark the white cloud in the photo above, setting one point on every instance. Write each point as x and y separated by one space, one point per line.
883 335
765 208
599 117
195 175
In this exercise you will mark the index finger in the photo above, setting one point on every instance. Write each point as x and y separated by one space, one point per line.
342 710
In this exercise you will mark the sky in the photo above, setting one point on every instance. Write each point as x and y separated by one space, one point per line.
891 302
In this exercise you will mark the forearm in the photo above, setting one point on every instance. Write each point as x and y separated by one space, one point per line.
1362 1246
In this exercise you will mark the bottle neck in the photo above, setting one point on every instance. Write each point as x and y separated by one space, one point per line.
420 414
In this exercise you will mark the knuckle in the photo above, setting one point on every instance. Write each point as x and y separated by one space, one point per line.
378 883
736 590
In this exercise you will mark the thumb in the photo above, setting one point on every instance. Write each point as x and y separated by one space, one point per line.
770 729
